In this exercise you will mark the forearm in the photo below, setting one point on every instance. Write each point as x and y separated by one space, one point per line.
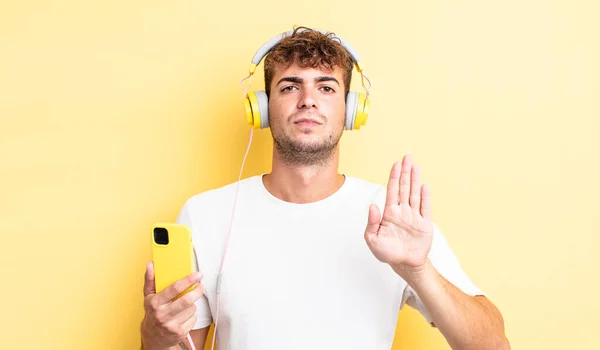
176 347
146 346
465 322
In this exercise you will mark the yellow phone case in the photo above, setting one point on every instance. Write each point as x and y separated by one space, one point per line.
175 259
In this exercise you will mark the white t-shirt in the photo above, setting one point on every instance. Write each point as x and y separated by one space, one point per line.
301 276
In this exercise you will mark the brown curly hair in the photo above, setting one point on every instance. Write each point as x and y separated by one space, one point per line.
309 48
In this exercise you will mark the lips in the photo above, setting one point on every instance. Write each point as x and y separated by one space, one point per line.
307 121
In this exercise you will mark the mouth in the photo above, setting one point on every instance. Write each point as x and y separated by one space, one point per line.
307 122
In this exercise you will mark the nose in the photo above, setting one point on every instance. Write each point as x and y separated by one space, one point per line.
307 100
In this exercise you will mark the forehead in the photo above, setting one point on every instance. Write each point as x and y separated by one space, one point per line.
295 69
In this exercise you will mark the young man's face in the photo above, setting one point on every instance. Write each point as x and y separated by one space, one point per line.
306 112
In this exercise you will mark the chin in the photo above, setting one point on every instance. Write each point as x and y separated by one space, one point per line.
308 139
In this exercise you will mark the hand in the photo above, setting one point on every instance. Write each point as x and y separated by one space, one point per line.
167 322
403 237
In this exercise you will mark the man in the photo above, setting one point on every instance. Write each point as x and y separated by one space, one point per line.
317 259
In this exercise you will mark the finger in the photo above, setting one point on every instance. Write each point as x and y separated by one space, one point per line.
185 314
186 300
373 221
425 202
392 187
405 179
189 323
415 188
178 287
149 285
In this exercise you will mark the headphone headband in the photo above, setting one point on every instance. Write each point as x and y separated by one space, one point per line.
269 45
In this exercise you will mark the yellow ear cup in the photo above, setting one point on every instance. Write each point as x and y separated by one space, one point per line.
252 110
362 111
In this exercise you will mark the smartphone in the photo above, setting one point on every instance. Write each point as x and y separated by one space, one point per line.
172 254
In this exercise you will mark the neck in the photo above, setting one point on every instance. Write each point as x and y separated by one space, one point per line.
303 184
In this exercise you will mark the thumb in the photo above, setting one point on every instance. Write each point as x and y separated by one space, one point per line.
373 221
149 286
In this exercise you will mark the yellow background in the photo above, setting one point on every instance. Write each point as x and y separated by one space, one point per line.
113 113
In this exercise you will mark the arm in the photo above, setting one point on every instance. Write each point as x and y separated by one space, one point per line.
403 238
466 322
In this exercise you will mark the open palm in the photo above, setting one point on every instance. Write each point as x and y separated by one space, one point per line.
403 236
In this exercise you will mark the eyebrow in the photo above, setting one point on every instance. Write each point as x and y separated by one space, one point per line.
297 80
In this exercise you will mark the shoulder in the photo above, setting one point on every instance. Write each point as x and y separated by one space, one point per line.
211 203
217 196
364 185
369 190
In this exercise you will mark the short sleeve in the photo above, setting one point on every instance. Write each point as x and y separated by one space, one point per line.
203 309
446 263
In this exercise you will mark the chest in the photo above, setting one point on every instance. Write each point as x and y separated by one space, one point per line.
295 267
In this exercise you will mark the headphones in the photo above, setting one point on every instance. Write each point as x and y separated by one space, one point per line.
257 103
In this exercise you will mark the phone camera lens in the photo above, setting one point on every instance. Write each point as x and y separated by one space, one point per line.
161 235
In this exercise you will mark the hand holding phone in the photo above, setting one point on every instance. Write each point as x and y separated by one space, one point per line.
169 297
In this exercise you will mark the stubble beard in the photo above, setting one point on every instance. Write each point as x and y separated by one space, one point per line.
297 153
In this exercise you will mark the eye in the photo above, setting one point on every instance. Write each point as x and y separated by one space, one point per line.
288 88
328 89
